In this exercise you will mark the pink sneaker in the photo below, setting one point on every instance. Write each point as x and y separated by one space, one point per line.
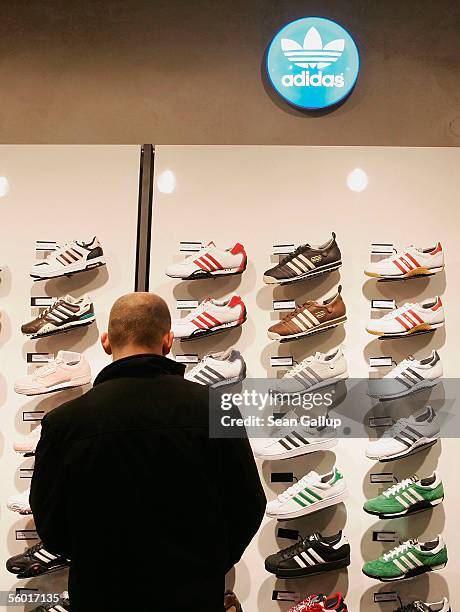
66 370
26 445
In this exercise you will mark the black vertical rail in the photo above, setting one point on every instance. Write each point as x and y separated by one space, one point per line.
144 218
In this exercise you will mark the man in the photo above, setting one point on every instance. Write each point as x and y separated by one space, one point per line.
128 485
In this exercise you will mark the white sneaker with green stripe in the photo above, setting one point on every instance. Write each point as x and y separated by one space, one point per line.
311 493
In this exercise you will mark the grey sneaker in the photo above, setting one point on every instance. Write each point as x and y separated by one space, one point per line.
219 370
406 437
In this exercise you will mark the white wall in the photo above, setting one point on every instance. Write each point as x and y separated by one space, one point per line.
56 193
264 195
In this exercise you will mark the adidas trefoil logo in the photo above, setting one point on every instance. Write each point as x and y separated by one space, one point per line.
313 54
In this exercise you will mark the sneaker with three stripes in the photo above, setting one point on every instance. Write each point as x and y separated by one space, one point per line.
409 376
219 370
72 257
409 319
409 559
210 261
306 261
314 554
321 603
411 261
313 373
36 561
210 317
311 493
65 313
406 437
20 503
310 318
409 496
296 440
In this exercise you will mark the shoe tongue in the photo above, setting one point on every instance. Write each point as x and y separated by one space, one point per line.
65 356
313 476
211 243
315 536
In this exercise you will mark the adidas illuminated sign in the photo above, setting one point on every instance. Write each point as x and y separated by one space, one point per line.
313 63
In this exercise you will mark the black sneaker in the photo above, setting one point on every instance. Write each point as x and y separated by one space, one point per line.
306 261
62 605
313 555
36 561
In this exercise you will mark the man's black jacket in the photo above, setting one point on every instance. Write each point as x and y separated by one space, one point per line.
127 484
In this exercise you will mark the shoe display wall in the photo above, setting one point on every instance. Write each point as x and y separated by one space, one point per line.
50 329
273 197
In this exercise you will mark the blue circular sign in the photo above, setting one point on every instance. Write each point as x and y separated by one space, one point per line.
313 63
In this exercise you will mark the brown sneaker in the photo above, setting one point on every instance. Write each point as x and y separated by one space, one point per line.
310 318
306 261
231 603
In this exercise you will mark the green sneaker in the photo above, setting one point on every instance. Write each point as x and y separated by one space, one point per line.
407 497
407 560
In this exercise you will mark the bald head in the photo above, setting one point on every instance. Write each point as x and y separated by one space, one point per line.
139 322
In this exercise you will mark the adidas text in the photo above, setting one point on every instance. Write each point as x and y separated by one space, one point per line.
318 79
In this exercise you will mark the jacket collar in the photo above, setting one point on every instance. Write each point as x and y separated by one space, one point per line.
139 366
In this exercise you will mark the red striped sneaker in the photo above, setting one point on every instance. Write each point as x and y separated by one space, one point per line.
411 261
210 317
409 319
210 261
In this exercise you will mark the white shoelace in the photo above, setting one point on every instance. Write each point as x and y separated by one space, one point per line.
398 550
399 486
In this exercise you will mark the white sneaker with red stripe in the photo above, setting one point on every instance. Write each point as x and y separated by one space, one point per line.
409 319
210 317
210 261
411 261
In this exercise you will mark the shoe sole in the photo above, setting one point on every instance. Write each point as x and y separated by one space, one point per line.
200 333
426 384
54 388
62 328
410 574
421 506
71 270
316 507
270 280
25 453
412 451
422 328
315 330
20 510
415 273
298 452
32 574
201 274
314 570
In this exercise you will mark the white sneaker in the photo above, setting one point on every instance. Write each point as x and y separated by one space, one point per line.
67 370
408 377
408 319
26 445
72 257
296 440
210 317
210 261
314 372
20 503
406 437
313 492
411 261
219 370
